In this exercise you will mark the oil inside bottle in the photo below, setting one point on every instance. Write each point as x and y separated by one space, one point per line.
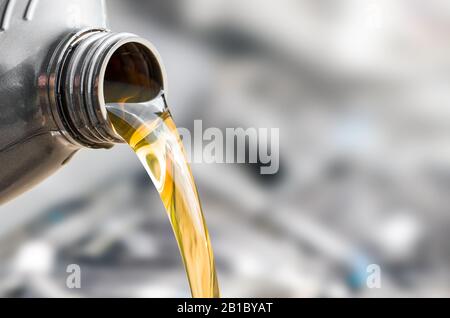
138 112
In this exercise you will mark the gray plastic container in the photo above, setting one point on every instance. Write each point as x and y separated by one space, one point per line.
53 56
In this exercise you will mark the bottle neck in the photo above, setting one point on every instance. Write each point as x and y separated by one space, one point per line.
78 71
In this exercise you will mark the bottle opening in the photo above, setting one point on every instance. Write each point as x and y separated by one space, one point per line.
133 75
93 69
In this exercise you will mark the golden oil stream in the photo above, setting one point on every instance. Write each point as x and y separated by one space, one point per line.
150 131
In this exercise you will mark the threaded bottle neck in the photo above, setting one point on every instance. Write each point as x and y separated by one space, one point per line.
79 67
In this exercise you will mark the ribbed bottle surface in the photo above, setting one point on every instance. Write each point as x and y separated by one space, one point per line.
80 101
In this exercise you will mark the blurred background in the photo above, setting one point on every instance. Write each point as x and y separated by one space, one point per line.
359 90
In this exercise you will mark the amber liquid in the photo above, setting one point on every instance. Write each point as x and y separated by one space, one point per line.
150 131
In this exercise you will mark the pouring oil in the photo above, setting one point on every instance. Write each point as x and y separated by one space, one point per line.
154 138
138 112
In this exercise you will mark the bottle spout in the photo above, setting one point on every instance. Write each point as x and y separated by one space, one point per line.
93 68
